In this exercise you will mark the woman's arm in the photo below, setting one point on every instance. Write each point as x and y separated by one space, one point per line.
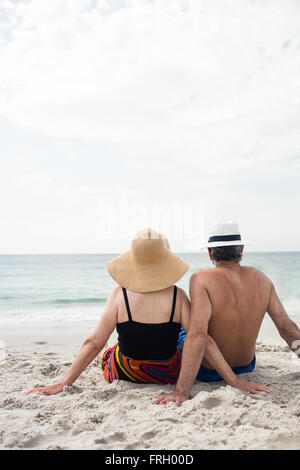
89 349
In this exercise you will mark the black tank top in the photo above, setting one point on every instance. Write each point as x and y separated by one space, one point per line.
148 341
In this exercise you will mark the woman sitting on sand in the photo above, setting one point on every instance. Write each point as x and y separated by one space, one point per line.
147 310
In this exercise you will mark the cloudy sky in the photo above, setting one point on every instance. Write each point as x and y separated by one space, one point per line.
118 114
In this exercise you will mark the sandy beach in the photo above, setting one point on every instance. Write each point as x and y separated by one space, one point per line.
149 145
93 414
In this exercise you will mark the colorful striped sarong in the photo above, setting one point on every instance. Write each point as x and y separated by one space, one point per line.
116 366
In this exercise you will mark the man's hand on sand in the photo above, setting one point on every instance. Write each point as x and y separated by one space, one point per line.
179 397
251 387
166 398
50 390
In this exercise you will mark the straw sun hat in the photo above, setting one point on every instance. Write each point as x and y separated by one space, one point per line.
149 266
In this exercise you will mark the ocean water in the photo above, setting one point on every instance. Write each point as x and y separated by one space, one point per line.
68 290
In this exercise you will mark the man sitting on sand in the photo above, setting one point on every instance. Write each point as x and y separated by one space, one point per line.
228 304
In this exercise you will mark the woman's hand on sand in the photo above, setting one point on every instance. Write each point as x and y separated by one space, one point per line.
251 387
50 390
166 398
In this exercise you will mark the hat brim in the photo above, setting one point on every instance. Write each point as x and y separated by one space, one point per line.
226 243
152 277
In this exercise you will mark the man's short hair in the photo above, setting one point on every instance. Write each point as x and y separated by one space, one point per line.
227 253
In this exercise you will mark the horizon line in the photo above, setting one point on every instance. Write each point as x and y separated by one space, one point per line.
118 253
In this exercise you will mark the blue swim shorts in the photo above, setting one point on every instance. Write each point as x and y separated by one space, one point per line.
209 375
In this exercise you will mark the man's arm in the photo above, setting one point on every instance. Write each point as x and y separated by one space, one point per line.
217 361
196 338
194 344
288 330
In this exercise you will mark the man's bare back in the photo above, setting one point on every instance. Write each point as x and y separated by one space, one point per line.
239 297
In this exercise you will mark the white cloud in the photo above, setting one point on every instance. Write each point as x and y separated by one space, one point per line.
219 76
190 96
79 198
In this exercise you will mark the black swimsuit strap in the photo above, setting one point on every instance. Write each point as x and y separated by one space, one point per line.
174 303
127 303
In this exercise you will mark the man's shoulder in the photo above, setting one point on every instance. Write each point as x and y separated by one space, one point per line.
202 275
213 273
256 273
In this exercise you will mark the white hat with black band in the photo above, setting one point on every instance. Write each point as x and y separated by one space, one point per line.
225 234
